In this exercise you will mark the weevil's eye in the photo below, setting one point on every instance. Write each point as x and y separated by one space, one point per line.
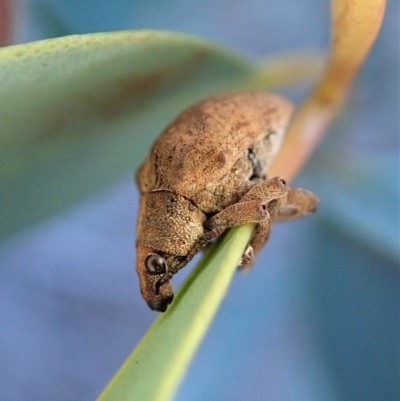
155 264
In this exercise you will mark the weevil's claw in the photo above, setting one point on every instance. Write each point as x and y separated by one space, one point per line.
247 259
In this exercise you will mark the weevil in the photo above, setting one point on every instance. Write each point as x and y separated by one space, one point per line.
207 172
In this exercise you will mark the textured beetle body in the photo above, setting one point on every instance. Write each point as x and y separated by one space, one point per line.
213 149
204 162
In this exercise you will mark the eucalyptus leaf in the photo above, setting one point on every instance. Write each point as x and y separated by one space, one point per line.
77 112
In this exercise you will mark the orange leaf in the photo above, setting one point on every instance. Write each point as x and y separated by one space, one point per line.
355 25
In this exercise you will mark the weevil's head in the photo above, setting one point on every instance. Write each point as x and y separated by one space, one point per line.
153 267
169 226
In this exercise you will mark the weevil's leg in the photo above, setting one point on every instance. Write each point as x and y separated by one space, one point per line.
298 203
252 208
266 191
253 211
237 214
260 237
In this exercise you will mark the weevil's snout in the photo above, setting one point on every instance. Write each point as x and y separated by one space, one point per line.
155 286
161 301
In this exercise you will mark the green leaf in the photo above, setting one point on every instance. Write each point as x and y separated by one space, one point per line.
156 366
77 112
73 110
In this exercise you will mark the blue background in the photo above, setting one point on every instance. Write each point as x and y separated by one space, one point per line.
316 319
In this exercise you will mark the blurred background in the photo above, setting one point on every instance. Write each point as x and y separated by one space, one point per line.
316 319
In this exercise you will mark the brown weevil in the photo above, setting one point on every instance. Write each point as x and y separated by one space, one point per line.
205 173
